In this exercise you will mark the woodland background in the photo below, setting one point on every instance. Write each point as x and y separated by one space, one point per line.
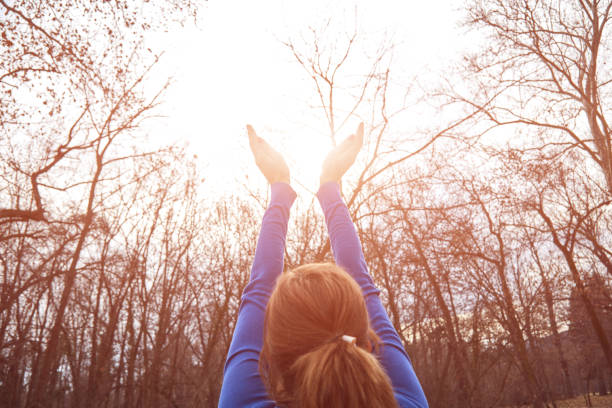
488 234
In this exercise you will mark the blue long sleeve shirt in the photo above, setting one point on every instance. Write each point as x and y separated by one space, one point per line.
242 385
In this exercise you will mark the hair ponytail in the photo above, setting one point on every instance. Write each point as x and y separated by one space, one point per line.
341 374
304 361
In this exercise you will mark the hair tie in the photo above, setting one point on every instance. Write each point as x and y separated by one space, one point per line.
349 339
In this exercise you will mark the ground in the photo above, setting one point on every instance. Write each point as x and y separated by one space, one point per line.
604 401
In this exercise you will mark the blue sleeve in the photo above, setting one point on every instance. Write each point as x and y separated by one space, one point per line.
349 255
242 385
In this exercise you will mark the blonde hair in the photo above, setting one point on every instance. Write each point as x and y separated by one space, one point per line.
304 361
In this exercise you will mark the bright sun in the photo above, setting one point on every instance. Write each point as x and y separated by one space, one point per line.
304 154
234 70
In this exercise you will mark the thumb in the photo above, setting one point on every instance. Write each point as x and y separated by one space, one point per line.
252 136
359 134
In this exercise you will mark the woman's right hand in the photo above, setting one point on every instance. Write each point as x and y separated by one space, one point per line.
341 157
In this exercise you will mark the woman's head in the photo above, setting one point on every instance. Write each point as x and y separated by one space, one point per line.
305 362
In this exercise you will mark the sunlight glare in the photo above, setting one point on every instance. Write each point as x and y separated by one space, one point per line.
233 69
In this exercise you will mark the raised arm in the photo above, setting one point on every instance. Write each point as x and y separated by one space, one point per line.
242 385
348 254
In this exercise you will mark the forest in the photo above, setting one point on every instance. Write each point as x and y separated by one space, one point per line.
487 231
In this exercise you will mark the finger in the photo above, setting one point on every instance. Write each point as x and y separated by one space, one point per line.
259 146
252 136
251 131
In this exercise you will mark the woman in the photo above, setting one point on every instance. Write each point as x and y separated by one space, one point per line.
317 336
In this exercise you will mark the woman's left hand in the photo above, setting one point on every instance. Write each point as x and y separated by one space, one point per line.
269 161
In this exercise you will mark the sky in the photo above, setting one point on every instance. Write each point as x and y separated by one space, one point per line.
233 69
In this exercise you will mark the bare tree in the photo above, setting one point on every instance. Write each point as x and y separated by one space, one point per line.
72 90
544 70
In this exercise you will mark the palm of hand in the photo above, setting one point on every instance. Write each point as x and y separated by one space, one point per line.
341 157
269 161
